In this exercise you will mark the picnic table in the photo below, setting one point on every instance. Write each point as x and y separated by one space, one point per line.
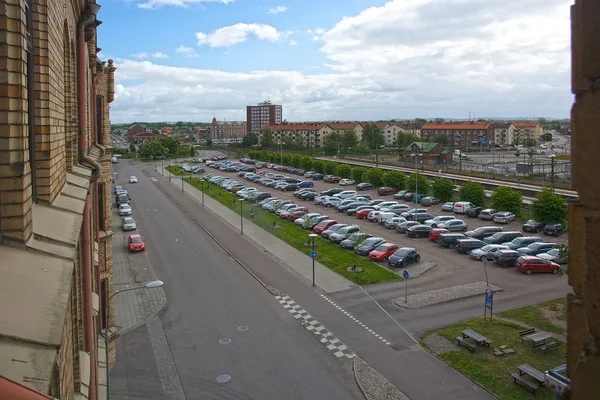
528 370
477 337
538 339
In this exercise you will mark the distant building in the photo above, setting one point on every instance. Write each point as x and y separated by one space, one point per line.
460 134
525 130
166 130
261 115
223 130
201 132
504 133
427 153
309 134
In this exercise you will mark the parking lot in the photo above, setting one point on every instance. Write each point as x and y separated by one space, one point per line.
452 267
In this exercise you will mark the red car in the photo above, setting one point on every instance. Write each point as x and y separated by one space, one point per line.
386 191
383 251
436 232
362 214
334 179
288 214
531 264
324 225
135 242
297 214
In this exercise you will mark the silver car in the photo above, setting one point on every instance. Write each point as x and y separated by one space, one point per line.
454 225
552 255
487 252
129 224
125 209
449 206
504 217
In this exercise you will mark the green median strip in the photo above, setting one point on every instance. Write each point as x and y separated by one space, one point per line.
330 255
175 170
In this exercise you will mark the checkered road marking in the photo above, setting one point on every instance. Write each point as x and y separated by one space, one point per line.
353 318
333 344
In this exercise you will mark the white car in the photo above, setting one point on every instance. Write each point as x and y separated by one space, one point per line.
133 179
129 224
301 221
372 215
125 209
347 182
346 194
383 216
433 223
243 193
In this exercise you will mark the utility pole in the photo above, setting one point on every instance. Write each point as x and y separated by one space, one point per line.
552 172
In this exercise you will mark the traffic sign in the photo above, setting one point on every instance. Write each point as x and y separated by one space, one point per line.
313 254
405 274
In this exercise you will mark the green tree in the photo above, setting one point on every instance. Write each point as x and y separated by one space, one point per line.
307 163
547 137
266 139
192 151
358 173
253 154
405 139
349 140
441 139
423 183
209 142
473 192
169 143
275 158
362 148
329 167
332 144
395 179
507 199
132 149
443 189
343 170
249 140
153 149
319 166
296 161
549 207
372 136
286 159
374 176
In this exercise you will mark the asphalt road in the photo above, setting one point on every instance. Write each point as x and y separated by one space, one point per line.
208 298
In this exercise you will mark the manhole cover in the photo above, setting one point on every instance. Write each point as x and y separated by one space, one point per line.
225 341
243 328
223 378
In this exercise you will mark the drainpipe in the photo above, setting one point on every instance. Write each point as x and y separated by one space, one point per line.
82 70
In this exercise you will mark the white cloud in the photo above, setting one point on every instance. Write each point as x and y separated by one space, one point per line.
151 4
316 34
158 54
140 56
496 58
292 43
186 51
238 33
277 10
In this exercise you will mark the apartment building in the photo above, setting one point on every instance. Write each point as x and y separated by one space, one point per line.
55 201
528 130
504 133
341 127
460 134
263 114
309 134
226 130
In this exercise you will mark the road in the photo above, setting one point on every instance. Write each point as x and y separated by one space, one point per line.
210 298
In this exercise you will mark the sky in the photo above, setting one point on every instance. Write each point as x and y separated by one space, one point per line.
324 60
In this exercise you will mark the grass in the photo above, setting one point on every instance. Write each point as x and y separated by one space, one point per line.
175 170
330 255
493 372
535 316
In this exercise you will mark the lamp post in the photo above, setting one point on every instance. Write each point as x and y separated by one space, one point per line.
148 285
416 156
313 236
202 190
241 216
182 180
552 156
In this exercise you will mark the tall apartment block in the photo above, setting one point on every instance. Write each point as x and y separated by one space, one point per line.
55 201
261 115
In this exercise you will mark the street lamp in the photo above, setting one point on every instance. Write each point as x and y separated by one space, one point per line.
148 285
182 180
241 216
313 236
416 156
202 190
552 156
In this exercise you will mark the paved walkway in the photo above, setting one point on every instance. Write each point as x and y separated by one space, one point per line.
293 260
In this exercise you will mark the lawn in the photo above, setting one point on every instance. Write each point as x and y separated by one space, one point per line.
175 170
550 316
493 372
330 255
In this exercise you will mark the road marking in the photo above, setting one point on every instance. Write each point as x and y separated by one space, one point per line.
371 331
332 343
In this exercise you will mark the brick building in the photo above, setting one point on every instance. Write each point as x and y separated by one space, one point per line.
528 130
460 134
427 153
226 130
262 114
309 134
55 208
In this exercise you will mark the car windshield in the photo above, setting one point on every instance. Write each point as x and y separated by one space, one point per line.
136 240
531 222
370 241
337 227
344 229
128 220
381 248
487 248
125 206
402 252
554 252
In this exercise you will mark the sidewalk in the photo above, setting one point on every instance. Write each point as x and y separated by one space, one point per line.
294 261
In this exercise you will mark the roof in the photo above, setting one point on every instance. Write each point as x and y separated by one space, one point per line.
456 125
426 147
526 124
342 125
135 235
309 126
144 134
501 125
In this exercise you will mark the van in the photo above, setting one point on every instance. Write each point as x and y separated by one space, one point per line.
462 206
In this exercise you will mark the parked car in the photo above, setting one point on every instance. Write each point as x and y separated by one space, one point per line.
473 212
122 199
409 213
400 195
324 225
455 225
416 198
385 215
438 220
364 186
403 256
297 213
462 206
536 248
353 239
396 208
449 239
345 194
372 215
468 245
506 258
531 264
487 252
304 190
418 231
484 231
125 209
383 251
362 214
326 234
135 243
408 196
420 217
385 204
553 229
306 184
436 232
352 211
504 217
368 245
300 221
312 222
448 206
502 237
129 224
386 191
533 226
402 227
553 255
347 182
334 179
344 233
429 201
487 214
522 241
391 223
317 177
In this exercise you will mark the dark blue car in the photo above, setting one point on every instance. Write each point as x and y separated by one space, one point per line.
306 184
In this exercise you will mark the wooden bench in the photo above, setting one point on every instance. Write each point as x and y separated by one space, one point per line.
550 345
467 345
520 379
527 332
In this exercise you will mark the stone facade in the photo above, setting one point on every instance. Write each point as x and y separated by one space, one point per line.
54 215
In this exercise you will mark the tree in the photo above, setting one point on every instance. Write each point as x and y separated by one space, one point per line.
547 137
507 199
405 139
372 136
473 192
295 161
329 167
209 142
441 139
362 148
307 163
374 176
357 173
192 151
349 139
423 184
343 170
132 149
169 143
153 149
332 144
395 179
319 166
266 139
249 140
443 189
549 207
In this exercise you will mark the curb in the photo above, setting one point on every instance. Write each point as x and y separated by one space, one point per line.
387 390
153 315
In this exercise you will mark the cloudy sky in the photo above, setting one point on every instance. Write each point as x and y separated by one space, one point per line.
191 60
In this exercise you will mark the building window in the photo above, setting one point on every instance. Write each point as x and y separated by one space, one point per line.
30 96
101 207
99 114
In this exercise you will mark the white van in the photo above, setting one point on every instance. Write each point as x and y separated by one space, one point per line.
346 194
462 206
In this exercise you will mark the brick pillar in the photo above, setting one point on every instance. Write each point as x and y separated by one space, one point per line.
583 329
15 171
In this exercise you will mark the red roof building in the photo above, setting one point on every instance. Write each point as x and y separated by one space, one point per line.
460 134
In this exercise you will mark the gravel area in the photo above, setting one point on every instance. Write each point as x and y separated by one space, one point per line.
415 270
444 295
373 385
439 344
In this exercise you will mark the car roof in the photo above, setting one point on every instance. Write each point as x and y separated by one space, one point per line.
407 248
135 235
